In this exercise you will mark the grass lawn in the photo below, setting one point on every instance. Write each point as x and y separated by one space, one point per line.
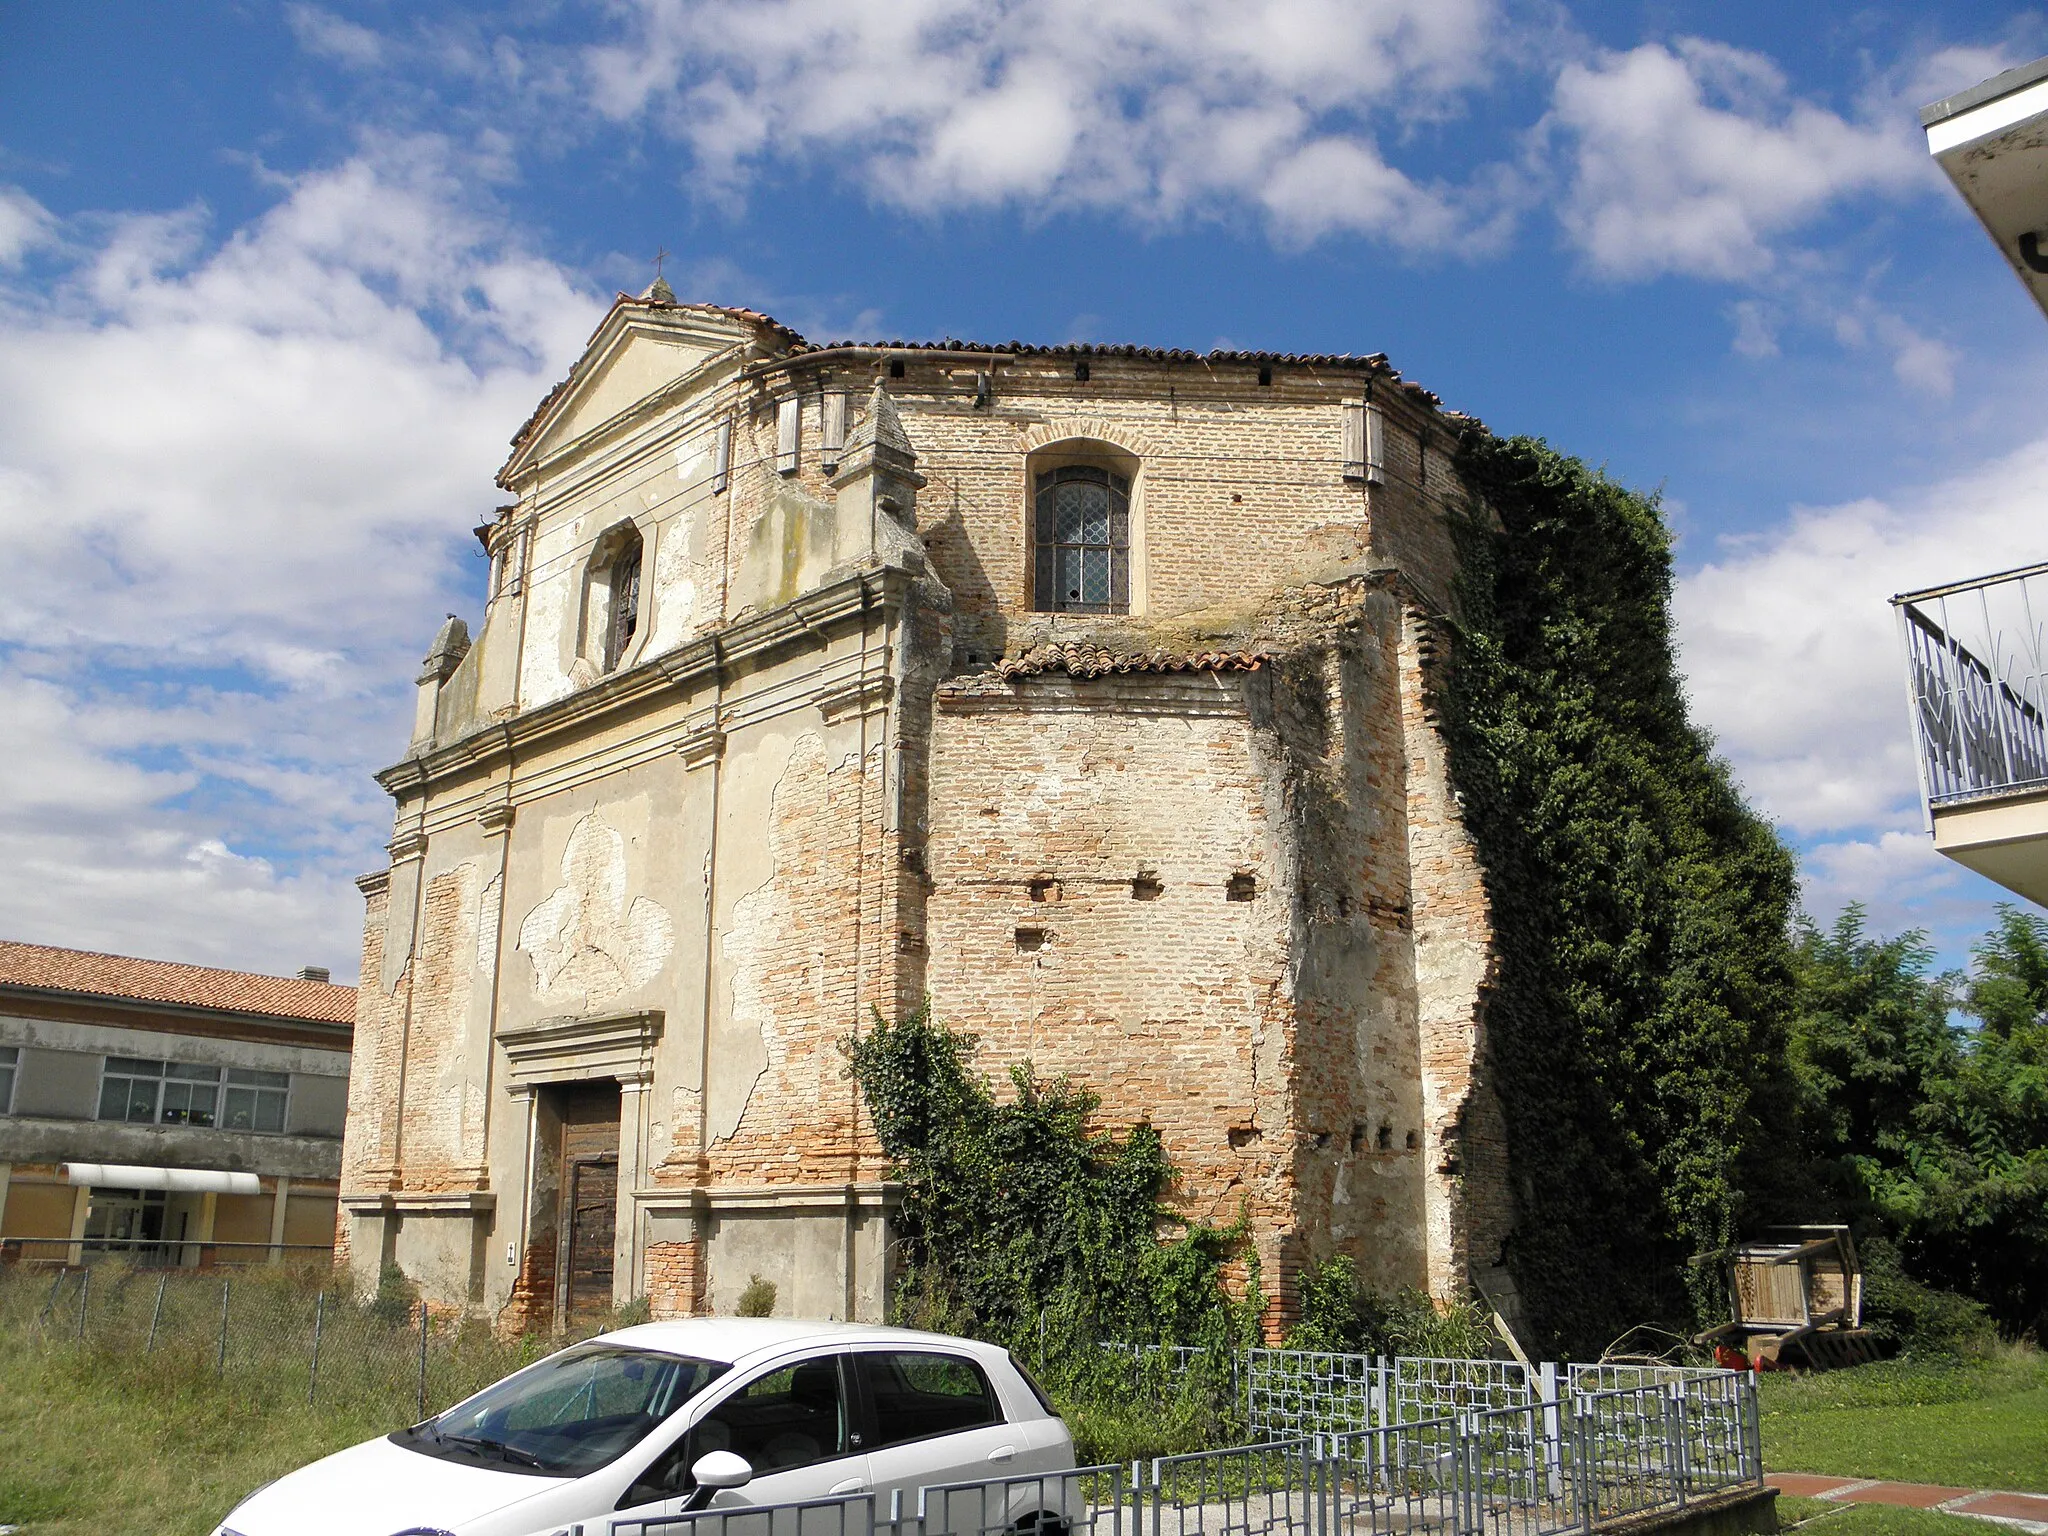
1818 1517
1981 1424
97 1445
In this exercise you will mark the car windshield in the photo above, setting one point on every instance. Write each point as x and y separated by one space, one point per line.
570 1414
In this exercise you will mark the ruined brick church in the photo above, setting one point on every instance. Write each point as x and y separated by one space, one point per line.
1087 691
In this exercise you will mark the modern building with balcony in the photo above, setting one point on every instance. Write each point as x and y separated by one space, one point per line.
1974 662
171 1115
1974 648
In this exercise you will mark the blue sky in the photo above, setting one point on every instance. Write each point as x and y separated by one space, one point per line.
277 282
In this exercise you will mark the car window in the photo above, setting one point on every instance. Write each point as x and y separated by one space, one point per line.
916 1394
572 1413
789 1417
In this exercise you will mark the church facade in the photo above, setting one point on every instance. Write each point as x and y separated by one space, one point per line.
1085 692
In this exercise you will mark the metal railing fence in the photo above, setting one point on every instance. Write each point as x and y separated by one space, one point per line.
1533 1469
1977 673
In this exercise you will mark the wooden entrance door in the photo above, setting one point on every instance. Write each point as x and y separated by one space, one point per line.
588 1223
593 1224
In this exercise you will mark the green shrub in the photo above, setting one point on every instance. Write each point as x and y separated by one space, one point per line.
1341 1313
397 1300
1921 1321
758 1299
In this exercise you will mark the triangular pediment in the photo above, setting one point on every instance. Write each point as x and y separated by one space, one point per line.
640 352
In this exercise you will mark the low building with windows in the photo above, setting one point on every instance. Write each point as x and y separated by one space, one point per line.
168 1114
1085 691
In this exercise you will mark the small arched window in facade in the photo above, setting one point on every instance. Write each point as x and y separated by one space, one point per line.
1082 538
621 579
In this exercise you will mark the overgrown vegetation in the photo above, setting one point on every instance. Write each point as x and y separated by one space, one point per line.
1341 1313
1642 911
1024 1223
1681 1060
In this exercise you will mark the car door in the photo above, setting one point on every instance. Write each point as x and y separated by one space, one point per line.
793 1423
934 1417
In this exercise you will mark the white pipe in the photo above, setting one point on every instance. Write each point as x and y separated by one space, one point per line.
183 1180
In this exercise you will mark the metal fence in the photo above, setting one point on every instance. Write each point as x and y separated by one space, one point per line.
390 1353
1977 670
1535 1469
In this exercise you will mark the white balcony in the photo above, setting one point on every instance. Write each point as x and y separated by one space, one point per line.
1975 675
1992 140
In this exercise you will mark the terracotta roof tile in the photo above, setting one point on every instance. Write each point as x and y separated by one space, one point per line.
167 981
1079 659
1375 362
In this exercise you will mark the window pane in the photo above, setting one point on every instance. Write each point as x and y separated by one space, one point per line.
6 1089
188 1103
269 1112
129 1066
788 1418
572 1413
141 1100
114 1099
1095 575
1069 583
191 1074
1044 588
1120 578
249 1077
238 1109
919 1395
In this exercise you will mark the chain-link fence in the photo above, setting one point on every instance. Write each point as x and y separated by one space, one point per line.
390 1355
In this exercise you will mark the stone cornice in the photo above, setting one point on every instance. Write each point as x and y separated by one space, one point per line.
618 1046
817 615
692 1199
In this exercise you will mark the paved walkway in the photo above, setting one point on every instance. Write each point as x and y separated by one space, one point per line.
2025 1511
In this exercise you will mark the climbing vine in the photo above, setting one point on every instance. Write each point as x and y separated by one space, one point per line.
1641 909
1022 1220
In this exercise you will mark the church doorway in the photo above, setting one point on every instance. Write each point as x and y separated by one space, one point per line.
588 1215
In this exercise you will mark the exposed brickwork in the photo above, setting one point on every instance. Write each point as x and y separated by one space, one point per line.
1203 857
675 1278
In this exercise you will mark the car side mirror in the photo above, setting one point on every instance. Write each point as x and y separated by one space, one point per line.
721 1469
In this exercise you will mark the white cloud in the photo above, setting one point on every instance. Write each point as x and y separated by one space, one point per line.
327 35
236 482
1159 109
1696 158
24 225
1792 656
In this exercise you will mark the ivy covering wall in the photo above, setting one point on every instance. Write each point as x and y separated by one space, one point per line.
1025 1222
1636 1022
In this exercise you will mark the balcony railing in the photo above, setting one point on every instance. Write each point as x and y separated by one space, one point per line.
1975 656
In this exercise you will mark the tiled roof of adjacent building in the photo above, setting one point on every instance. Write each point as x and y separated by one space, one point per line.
167 981
1084 660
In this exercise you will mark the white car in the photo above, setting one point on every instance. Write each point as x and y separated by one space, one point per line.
668 1417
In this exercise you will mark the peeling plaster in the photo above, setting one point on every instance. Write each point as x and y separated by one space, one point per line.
583 938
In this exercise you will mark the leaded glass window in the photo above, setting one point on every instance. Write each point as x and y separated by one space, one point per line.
624 618
1082 536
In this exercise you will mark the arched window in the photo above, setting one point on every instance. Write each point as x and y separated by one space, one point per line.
614 601
1082 538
